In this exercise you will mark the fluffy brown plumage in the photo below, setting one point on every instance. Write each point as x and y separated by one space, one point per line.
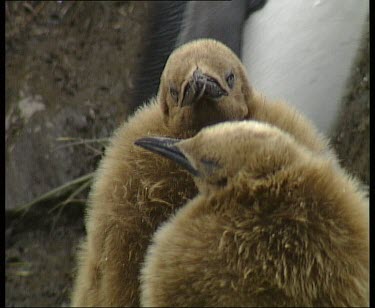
134 191
274 224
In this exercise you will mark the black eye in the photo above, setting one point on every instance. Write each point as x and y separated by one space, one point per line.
222 182
174 93
230 80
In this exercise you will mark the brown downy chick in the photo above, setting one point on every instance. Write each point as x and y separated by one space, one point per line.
274 224
203 83
134 191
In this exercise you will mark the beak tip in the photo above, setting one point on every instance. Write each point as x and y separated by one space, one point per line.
166 147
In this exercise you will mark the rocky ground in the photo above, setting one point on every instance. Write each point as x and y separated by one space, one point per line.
69 73
351 136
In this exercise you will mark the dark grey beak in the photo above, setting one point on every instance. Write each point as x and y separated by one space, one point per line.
166 147
202 85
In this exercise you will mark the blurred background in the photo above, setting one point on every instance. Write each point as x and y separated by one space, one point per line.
76 70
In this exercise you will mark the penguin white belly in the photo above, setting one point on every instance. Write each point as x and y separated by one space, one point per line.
303 51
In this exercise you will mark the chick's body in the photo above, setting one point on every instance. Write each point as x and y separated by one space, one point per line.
134 191
203 83
287 227
126 208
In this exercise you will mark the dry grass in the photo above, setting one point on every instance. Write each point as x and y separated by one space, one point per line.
72 189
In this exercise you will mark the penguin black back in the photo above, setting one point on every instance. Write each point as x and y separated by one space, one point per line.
175 23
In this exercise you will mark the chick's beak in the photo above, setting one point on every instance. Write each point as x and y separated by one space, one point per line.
167 147
201 85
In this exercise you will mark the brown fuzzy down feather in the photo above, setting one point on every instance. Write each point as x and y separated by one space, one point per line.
134 191
289 228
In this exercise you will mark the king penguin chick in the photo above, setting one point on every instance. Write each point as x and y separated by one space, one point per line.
274 224
203 83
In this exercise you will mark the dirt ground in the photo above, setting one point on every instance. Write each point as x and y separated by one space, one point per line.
70 70
73 63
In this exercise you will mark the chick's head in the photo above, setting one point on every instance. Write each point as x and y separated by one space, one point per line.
203 83
221 154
